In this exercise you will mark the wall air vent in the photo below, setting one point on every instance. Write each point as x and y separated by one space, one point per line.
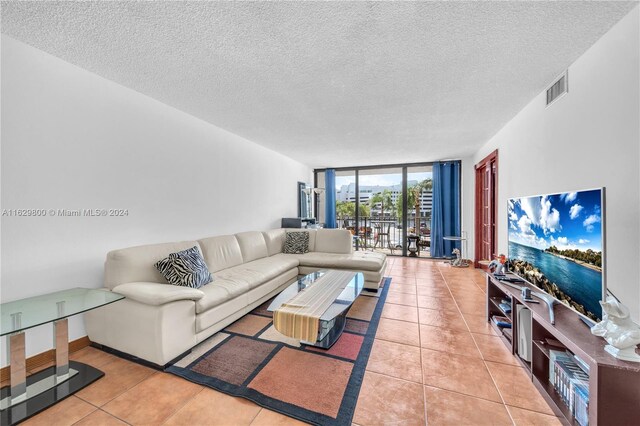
558 88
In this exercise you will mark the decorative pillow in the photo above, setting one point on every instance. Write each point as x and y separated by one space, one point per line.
296 242
185 268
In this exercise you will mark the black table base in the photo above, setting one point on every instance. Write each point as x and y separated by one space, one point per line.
333 335
20 412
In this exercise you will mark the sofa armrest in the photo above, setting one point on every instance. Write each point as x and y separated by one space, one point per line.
157 294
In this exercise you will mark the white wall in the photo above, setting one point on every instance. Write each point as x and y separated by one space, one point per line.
468 203
587 139
73 140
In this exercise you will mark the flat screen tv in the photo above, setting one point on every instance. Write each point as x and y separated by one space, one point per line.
556 243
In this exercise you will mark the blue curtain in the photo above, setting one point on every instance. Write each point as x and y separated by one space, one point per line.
445 212
330 198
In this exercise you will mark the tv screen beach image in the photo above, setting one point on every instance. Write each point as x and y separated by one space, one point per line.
555 243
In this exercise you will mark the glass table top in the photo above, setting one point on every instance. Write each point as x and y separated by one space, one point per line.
33 311
344 300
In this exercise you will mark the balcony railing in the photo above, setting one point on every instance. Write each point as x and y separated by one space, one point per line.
385 234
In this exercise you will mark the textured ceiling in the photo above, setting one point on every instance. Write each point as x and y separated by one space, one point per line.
328 83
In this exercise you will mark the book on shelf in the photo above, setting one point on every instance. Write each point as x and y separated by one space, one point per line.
506 307
582 404
553 356
571 375
560 382
581 363
571 383
501 321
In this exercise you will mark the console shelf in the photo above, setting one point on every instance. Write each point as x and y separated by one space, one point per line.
614 385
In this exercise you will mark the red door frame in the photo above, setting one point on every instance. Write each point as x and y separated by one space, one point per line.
490 160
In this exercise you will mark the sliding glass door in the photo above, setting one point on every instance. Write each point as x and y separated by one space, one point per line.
346 200
387 209
379 191
419 204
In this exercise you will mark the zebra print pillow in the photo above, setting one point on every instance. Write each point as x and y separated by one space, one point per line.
296 242
185 268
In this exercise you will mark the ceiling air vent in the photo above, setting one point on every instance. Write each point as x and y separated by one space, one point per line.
558 88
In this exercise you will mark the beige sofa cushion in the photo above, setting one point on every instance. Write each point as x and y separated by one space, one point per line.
217 313
218 292
333 241
357 261
273 266
240 274
221 252
137 264
244 301
259 271
274 238
252 245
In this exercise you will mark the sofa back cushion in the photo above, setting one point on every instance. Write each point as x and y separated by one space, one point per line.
252 245
136 264
333 241
275 240
221 252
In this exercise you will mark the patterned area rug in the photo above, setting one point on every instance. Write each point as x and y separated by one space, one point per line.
250 359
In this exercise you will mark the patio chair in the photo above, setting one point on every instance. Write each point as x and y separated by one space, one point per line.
381 234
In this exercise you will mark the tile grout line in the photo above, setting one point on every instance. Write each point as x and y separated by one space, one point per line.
394 377
481 358
85 416
484 362
447 278
402 292
100 409
114 416
183 405
121 393
436 327
424 393
424 401
256 416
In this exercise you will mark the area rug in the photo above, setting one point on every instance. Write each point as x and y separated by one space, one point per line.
250 359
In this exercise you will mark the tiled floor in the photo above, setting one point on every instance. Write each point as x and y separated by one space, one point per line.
434 361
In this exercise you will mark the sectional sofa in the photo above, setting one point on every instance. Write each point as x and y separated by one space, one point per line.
157 322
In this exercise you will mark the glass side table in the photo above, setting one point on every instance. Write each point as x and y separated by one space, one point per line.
26 396
463 251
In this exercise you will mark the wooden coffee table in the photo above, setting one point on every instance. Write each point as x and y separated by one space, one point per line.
333 319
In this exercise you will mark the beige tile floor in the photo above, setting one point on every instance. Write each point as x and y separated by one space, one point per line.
434 361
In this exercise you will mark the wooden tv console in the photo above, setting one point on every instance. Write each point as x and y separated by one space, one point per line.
614 385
